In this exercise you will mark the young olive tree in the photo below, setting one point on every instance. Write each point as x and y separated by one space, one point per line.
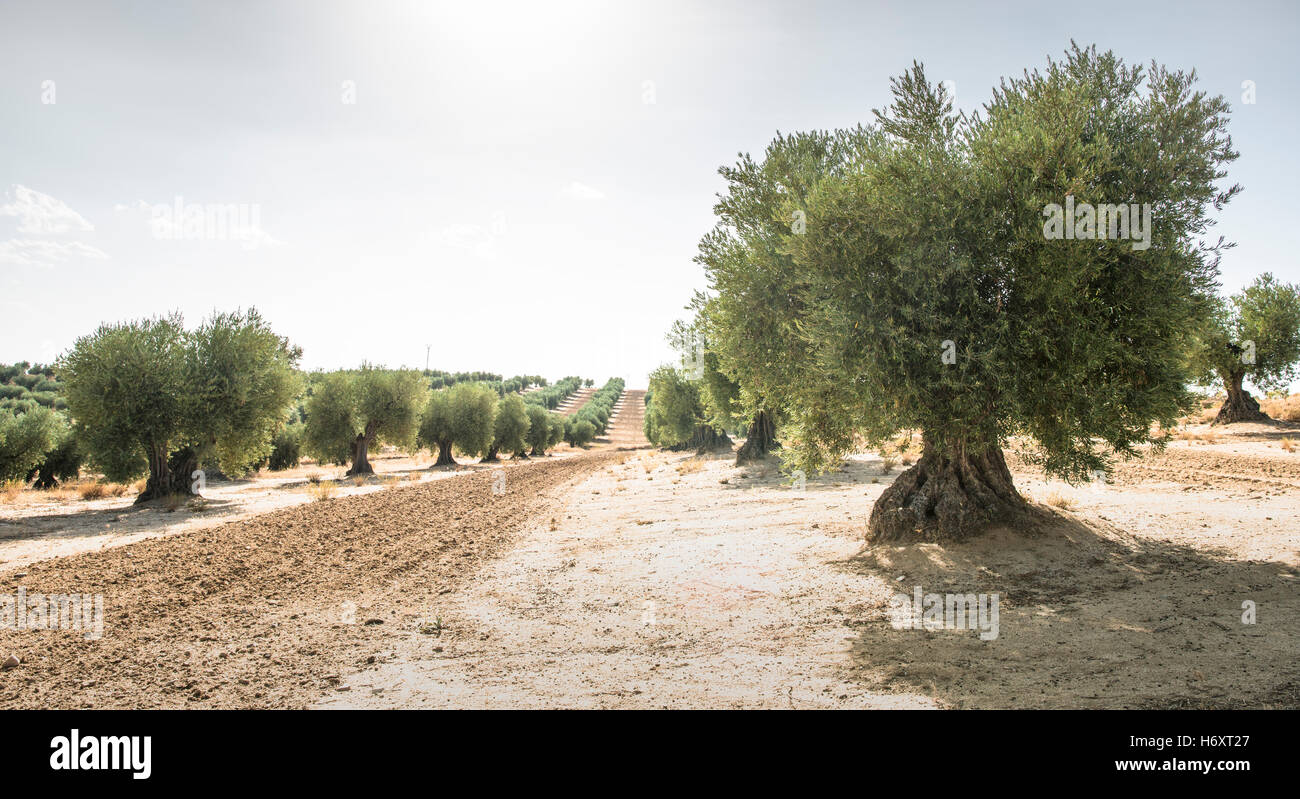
25 440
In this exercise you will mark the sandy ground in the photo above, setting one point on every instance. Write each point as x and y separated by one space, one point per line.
642 579
672 581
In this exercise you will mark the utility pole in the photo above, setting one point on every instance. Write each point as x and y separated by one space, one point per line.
427 347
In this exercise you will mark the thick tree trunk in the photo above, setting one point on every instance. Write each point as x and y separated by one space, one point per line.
444 454
538 452
183 464
1239 406
521 455
361 455
159 483
947 497
760 439
492 453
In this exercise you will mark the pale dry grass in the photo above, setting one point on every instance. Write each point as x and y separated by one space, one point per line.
1058 500
690 466
320 491
10 490
1285 409
96 489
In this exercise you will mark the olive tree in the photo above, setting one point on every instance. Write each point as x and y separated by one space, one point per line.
539 430
510 427
933 292
462 416
25 439
149 397
1254 335
350 412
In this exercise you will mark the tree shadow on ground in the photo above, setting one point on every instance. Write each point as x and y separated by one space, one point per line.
1089 617
91 522
767 473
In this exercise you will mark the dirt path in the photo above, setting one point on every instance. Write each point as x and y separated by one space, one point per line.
269 612
642 597
627 424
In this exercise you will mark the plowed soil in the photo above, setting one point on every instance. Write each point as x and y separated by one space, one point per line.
270 611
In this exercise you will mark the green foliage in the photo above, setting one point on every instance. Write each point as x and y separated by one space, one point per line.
539 434
286 447
241 384
556 423
579 432
673 409
370 405
25 439
925 237
62 461
511 426
462 416
551 396
600 405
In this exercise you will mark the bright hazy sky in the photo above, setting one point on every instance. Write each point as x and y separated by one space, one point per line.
501 189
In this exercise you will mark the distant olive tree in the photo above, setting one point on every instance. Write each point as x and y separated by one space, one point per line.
539 430
1254 335
25 438
462 416
350 412
509 428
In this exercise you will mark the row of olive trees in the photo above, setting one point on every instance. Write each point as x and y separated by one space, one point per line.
352 411
899 276
151 397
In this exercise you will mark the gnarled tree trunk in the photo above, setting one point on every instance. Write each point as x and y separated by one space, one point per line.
159 483
760 439
1239 406
444 454
947 497
520 455
492 453
361 454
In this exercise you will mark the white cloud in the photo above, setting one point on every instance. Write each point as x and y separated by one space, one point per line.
32 252
476 239
40 213
581 191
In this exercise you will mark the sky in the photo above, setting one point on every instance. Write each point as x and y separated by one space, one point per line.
515 187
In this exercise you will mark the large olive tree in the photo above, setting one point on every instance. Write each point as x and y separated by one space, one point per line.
150 397
929 291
